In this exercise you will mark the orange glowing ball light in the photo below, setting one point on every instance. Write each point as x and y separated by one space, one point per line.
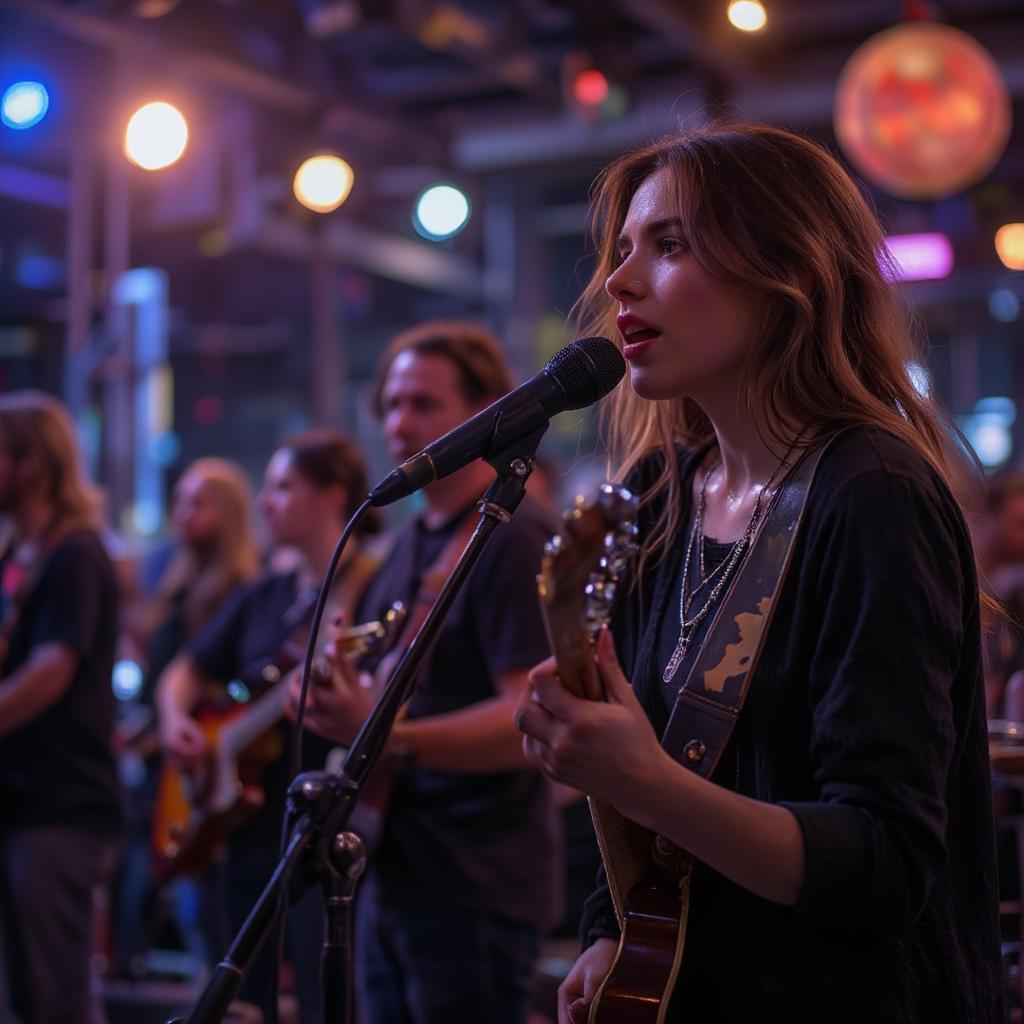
922 111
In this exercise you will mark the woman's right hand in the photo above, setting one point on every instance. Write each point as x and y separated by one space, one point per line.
182 741
576 993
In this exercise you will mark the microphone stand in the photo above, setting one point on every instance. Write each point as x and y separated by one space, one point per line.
321 803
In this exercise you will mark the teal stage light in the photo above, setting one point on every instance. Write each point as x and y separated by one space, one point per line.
24 104
441 212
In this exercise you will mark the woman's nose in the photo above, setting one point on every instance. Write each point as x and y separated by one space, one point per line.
623 280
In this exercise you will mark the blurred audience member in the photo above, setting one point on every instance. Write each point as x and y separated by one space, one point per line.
999 540
312 484
214 551
59 804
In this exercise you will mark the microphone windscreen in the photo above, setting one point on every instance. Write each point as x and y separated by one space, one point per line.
587 370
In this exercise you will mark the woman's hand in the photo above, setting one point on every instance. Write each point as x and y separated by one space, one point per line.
182 741
576 993
337 706
605 748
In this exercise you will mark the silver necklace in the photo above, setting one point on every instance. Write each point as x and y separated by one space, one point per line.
688 627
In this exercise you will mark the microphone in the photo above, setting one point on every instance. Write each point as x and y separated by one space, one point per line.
576 376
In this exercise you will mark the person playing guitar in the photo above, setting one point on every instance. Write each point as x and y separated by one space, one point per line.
465 878
843 845
312 483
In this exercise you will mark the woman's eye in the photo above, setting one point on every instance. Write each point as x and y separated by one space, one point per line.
670 245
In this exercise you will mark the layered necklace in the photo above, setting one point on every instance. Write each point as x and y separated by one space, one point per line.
717 579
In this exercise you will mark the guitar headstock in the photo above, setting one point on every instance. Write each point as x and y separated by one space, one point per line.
372 639
582 568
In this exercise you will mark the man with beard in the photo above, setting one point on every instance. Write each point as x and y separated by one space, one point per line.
59 804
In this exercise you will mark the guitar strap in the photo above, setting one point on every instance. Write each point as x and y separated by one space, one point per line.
427 591
709 703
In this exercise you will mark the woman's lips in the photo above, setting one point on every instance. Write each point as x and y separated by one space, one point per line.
638 341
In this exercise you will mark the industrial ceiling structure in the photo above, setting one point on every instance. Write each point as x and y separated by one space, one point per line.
279 304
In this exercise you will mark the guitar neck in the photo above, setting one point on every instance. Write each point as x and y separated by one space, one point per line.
571 645
256 719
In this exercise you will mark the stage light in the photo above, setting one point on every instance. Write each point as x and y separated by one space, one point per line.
156 136
748 15
1004 305
590 88
442 211
127 679
924 257
323 182
992 442
1010 245
24 104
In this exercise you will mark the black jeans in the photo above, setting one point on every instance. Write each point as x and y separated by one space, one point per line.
442 967
48 878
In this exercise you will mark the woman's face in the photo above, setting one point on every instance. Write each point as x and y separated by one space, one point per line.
196 512
685 333
289 502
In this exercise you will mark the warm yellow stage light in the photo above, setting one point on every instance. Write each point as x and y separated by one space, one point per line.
748 15
1010 245
323 183
156 136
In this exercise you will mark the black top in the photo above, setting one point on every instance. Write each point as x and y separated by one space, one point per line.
866 719
59 769
483 842
250 630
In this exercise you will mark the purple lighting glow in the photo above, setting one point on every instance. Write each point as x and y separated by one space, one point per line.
925 257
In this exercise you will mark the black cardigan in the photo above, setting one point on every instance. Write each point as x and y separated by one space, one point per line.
866 719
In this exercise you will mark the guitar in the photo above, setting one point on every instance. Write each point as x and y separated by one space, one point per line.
648 878
195 813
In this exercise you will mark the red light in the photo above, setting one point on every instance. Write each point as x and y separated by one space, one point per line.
590 88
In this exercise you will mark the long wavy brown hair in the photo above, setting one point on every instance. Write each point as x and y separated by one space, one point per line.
34 425
202 579
764 208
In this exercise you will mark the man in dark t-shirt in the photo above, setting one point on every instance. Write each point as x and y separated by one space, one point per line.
465 879
59 804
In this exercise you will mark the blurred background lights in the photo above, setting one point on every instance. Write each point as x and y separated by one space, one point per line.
590 88
1004 305
441 212
922 111
748 15
127 680
146 518
988 429
24 104
156 136
998 408
323 182
991 442
1010 245
923 257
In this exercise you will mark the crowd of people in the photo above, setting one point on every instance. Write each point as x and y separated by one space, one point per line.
839 840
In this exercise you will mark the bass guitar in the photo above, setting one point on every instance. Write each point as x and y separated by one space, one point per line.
648 878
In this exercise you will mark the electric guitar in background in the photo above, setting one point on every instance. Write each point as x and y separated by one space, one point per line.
581 570
195 813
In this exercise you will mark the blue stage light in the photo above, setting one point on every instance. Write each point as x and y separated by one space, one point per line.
24 105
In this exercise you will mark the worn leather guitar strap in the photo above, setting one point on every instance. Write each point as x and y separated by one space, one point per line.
713 695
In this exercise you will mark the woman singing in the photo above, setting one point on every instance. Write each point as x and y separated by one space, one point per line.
845 841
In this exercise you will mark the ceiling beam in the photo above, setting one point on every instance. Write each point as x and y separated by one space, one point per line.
269 90
669 18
